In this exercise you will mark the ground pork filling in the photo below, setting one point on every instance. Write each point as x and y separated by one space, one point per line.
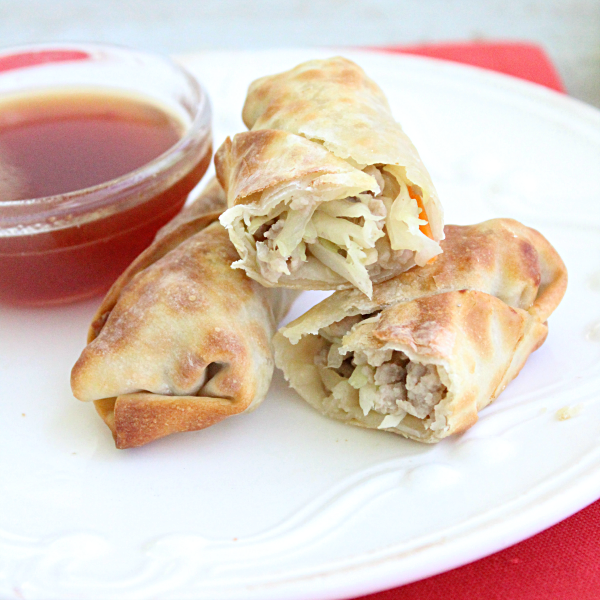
349 236
388 382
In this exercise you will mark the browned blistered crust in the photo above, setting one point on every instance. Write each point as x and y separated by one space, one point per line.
477 312
188 222
501 257
256 160
474 335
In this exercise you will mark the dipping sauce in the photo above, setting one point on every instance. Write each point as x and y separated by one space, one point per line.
56 143
69 140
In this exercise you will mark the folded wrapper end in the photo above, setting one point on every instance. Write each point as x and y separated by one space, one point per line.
137 419
553 273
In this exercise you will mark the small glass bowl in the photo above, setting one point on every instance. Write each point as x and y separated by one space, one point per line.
72 246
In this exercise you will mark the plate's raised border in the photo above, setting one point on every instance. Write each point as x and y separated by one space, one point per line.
174 566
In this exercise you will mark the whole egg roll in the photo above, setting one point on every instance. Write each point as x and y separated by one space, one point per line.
181 340
326 191
435 344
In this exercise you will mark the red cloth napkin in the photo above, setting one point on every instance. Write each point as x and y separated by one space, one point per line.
563 562
522 60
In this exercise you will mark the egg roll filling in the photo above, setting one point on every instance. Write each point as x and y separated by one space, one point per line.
377 381
355 236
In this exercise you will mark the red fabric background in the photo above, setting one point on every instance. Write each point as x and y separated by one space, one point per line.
522 60
563 562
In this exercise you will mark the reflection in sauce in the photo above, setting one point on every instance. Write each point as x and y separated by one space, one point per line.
58 143
62 142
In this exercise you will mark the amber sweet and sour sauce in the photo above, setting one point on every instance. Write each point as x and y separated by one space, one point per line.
53 144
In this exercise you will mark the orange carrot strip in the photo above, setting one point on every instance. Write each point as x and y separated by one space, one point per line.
426 229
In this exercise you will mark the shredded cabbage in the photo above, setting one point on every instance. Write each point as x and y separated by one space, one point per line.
367 395
272 264
293 230
352 268
390 421
254 222
352 208
330 378
340 231
361 376
334 358
307 217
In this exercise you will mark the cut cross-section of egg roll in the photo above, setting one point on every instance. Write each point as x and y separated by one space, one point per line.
181 340
326 191
435 344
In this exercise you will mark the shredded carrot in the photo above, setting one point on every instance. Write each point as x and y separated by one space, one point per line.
426 229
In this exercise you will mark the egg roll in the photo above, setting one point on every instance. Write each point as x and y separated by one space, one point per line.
181 341
436 344
326 191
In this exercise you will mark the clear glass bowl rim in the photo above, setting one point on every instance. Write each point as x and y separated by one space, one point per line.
92 198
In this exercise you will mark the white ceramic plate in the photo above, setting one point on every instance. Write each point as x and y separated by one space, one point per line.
283 503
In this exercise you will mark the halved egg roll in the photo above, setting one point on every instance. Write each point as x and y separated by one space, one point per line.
326 191
435 344
182 340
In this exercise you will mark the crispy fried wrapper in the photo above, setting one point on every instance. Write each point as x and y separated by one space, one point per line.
436 344
182 340
326 191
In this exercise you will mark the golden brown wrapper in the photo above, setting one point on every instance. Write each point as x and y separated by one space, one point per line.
257 160
335 103
181 340
474 316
